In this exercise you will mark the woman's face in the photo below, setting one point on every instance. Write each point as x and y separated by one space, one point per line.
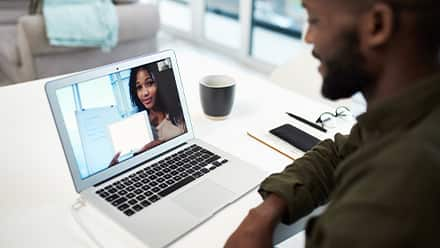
146 89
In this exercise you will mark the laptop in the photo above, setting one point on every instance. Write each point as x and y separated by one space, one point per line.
157 191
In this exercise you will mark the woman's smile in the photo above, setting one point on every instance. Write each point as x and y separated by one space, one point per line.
147 101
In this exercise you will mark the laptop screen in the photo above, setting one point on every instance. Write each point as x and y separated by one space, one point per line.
116 117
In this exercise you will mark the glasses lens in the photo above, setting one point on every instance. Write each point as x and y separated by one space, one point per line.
344 113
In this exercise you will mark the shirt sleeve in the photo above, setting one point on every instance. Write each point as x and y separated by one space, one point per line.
308 181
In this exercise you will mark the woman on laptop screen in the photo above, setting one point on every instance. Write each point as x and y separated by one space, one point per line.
155 92
147 93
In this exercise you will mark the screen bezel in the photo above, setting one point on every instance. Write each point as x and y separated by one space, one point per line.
52 86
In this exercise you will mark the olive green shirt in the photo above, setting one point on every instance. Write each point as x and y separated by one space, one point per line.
382 181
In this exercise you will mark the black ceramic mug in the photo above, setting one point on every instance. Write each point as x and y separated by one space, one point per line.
217 96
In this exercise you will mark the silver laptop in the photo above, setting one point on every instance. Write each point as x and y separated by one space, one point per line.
128 140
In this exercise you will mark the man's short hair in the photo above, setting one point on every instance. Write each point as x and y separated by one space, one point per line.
427 17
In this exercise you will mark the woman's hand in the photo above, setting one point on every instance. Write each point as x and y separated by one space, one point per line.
115 159
148 146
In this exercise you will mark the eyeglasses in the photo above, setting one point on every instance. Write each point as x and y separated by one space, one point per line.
331 120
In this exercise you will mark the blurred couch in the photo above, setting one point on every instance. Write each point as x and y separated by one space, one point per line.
25 52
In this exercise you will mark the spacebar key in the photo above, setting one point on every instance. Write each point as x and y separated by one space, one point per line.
176 186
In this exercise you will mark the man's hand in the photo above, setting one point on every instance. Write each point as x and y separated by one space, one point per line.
257 228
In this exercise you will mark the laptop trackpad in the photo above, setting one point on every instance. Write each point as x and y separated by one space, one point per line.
204 199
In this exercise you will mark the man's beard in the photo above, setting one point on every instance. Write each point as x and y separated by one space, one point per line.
345 74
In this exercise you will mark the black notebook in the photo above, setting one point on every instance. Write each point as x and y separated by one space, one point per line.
295 137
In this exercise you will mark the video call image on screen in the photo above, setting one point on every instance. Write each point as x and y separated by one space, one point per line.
115 117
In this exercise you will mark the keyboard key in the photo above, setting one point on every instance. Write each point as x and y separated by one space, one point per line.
112 197
112 190
123 206
145 181
212 159
119 201
145 187
176 186
145 203
140 197
204 170
100 191
138 207
163 185
120 186
149 171
197 174
216 163
130 195
148 193
224 161
138 191
132 201
153 183
122 192
160 180
104 194
155 189
154 198
129 212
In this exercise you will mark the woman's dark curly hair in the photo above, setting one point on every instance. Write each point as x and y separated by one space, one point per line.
167 100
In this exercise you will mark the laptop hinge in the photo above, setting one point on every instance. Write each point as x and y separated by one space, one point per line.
142 163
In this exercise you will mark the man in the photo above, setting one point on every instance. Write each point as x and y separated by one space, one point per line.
381 182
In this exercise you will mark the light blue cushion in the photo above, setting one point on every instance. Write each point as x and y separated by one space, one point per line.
81 23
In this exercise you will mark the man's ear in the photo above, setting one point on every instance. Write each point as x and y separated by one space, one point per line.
378 25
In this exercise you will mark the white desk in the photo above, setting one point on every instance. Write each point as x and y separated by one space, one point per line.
35 185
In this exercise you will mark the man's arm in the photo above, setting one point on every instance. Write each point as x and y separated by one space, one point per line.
309 180
295 192
257 228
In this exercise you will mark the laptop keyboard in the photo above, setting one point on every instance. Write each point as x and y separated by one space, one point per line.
133 193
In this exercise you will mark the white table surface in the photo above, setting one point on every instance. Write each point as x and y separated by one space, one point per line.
37 191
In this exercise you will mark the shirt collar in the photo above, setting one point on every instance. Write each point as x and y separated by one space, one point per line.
402 109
